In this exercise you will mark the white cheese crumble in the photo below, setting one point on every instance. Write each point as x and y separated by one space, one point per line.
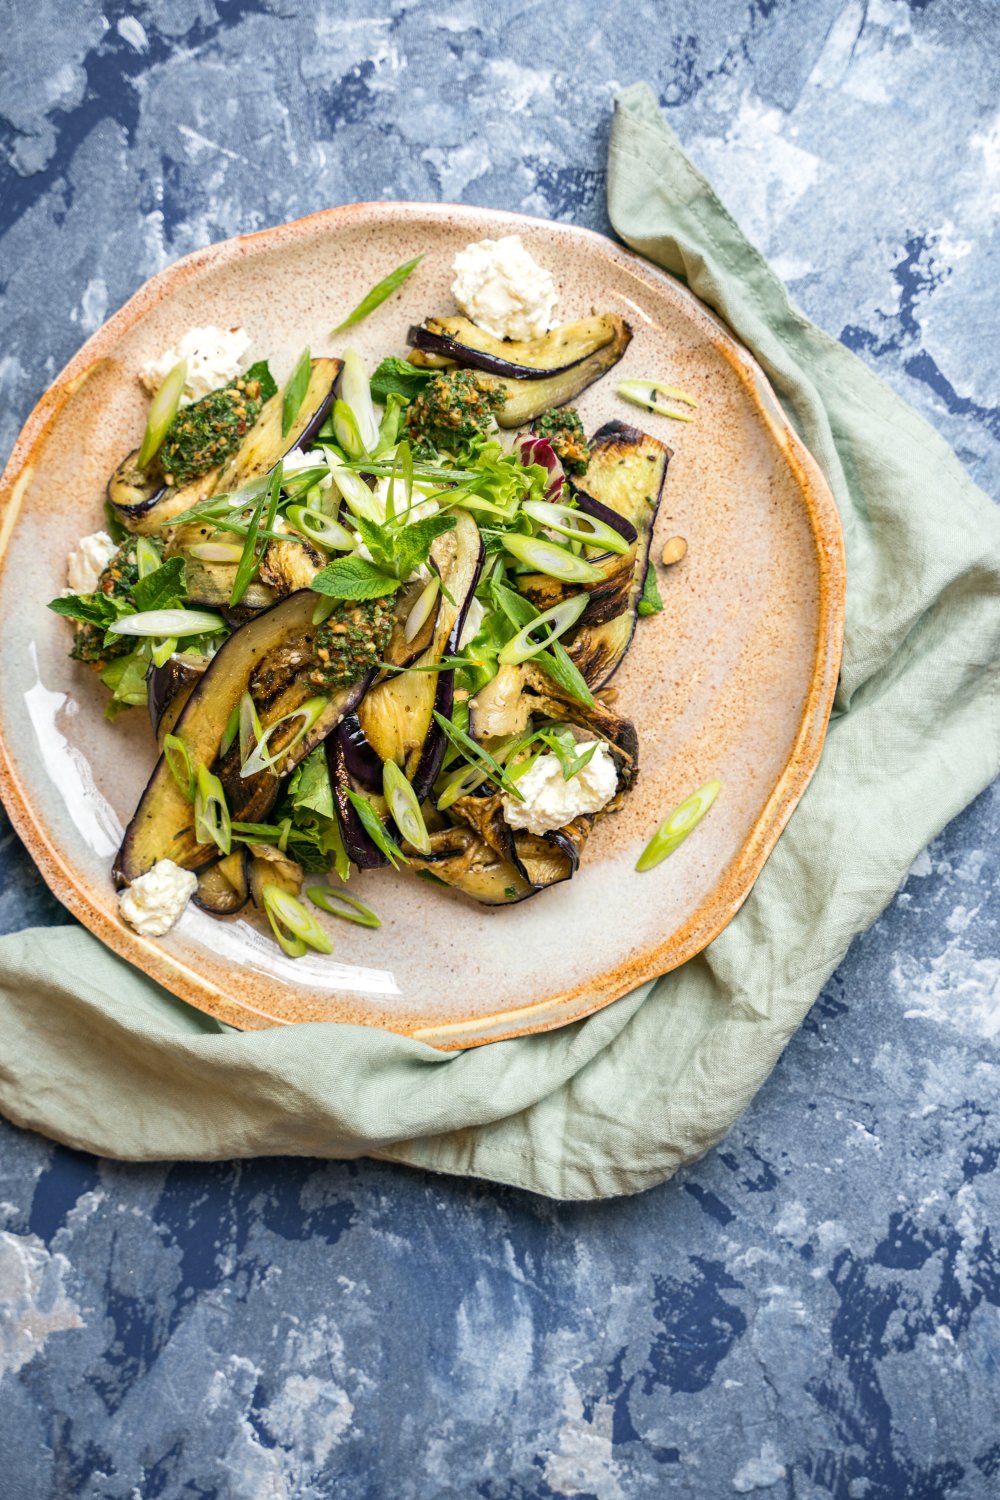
87 562
550 801
214 357
503 289
155 901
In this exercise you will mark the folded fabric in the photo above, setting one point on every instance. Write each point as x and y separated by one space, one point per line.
96 1055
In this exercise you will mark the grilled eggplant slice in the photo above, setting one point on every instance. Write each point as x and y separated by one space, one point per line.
540 861
527 399
625 475
554 353
144 505
288 566
210 584
396 716
169 687
224 888
162 826
461 859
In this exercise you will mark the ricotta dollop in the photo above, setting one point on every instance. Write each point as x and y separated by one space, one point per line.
155 901
214 357
503 289
550 801
87 562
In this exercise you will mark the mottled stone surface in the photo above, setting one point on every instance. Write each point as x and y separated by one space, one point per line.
814 1310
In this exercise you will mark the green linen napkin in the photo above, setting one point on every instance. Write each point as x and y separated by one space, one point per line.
97 1056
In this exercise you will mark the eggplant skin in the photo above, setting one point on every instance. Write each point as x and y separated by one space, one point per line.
168 689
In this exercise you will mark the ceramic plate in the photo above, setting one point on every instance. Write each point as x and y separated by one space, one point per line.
733 680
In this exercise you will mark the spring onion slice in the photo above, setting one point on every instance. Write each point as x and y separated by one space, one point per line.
337 903
402 802
212 824
674 830
375 829
551 623
166 622
578 525
324 608
249 727
347 430
644 393
147 556
162 411
476 755
379 293
356 495
263 759
163 651
179 764
421 608
320 528
293 925
546 557
356 390
250 557
217 552
295 390
231 730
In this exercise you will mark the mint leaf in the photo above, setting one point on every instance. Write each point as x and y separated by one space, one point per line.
164 588
650 603
378 539
413 543
398 377
92 609
354 578
261 372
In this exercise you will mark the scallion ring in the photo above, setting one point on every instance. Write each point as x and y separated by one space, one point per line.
420 610
162 411
321 529
164 622
404 807
337 903
147 556
216 552
546 557
645 393
545 628
577 525
294 927
211 815
261 758
674 830
346 430
179 764
163 651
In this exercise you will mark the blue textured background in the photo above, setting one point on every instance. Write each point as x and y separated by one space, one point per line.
814 1310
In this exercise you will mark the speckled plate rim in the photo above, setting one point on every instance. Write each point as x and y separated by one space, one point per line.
735 881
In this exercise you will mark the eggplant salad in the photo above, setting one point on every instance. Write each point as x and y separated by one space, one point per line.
372 614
